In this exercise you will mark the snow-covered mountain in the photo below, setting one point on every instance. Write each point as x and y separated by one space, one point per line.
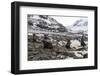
79 26
44 23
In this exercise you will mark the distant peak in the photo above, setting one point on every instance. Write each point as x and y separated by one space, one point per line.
81 22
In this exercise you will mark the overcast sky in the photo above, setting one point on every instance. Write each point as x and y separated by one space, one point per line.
66 21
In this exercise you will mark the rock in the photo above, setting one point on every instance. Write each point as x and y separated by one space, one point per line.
78 56
75 44
85 56
60 56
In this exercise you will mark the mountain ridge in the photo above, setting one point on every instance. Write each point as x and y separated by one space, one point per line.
44 22
79 26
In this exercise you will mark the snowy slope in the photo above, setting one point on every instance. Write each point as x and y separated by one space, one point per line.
79 26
